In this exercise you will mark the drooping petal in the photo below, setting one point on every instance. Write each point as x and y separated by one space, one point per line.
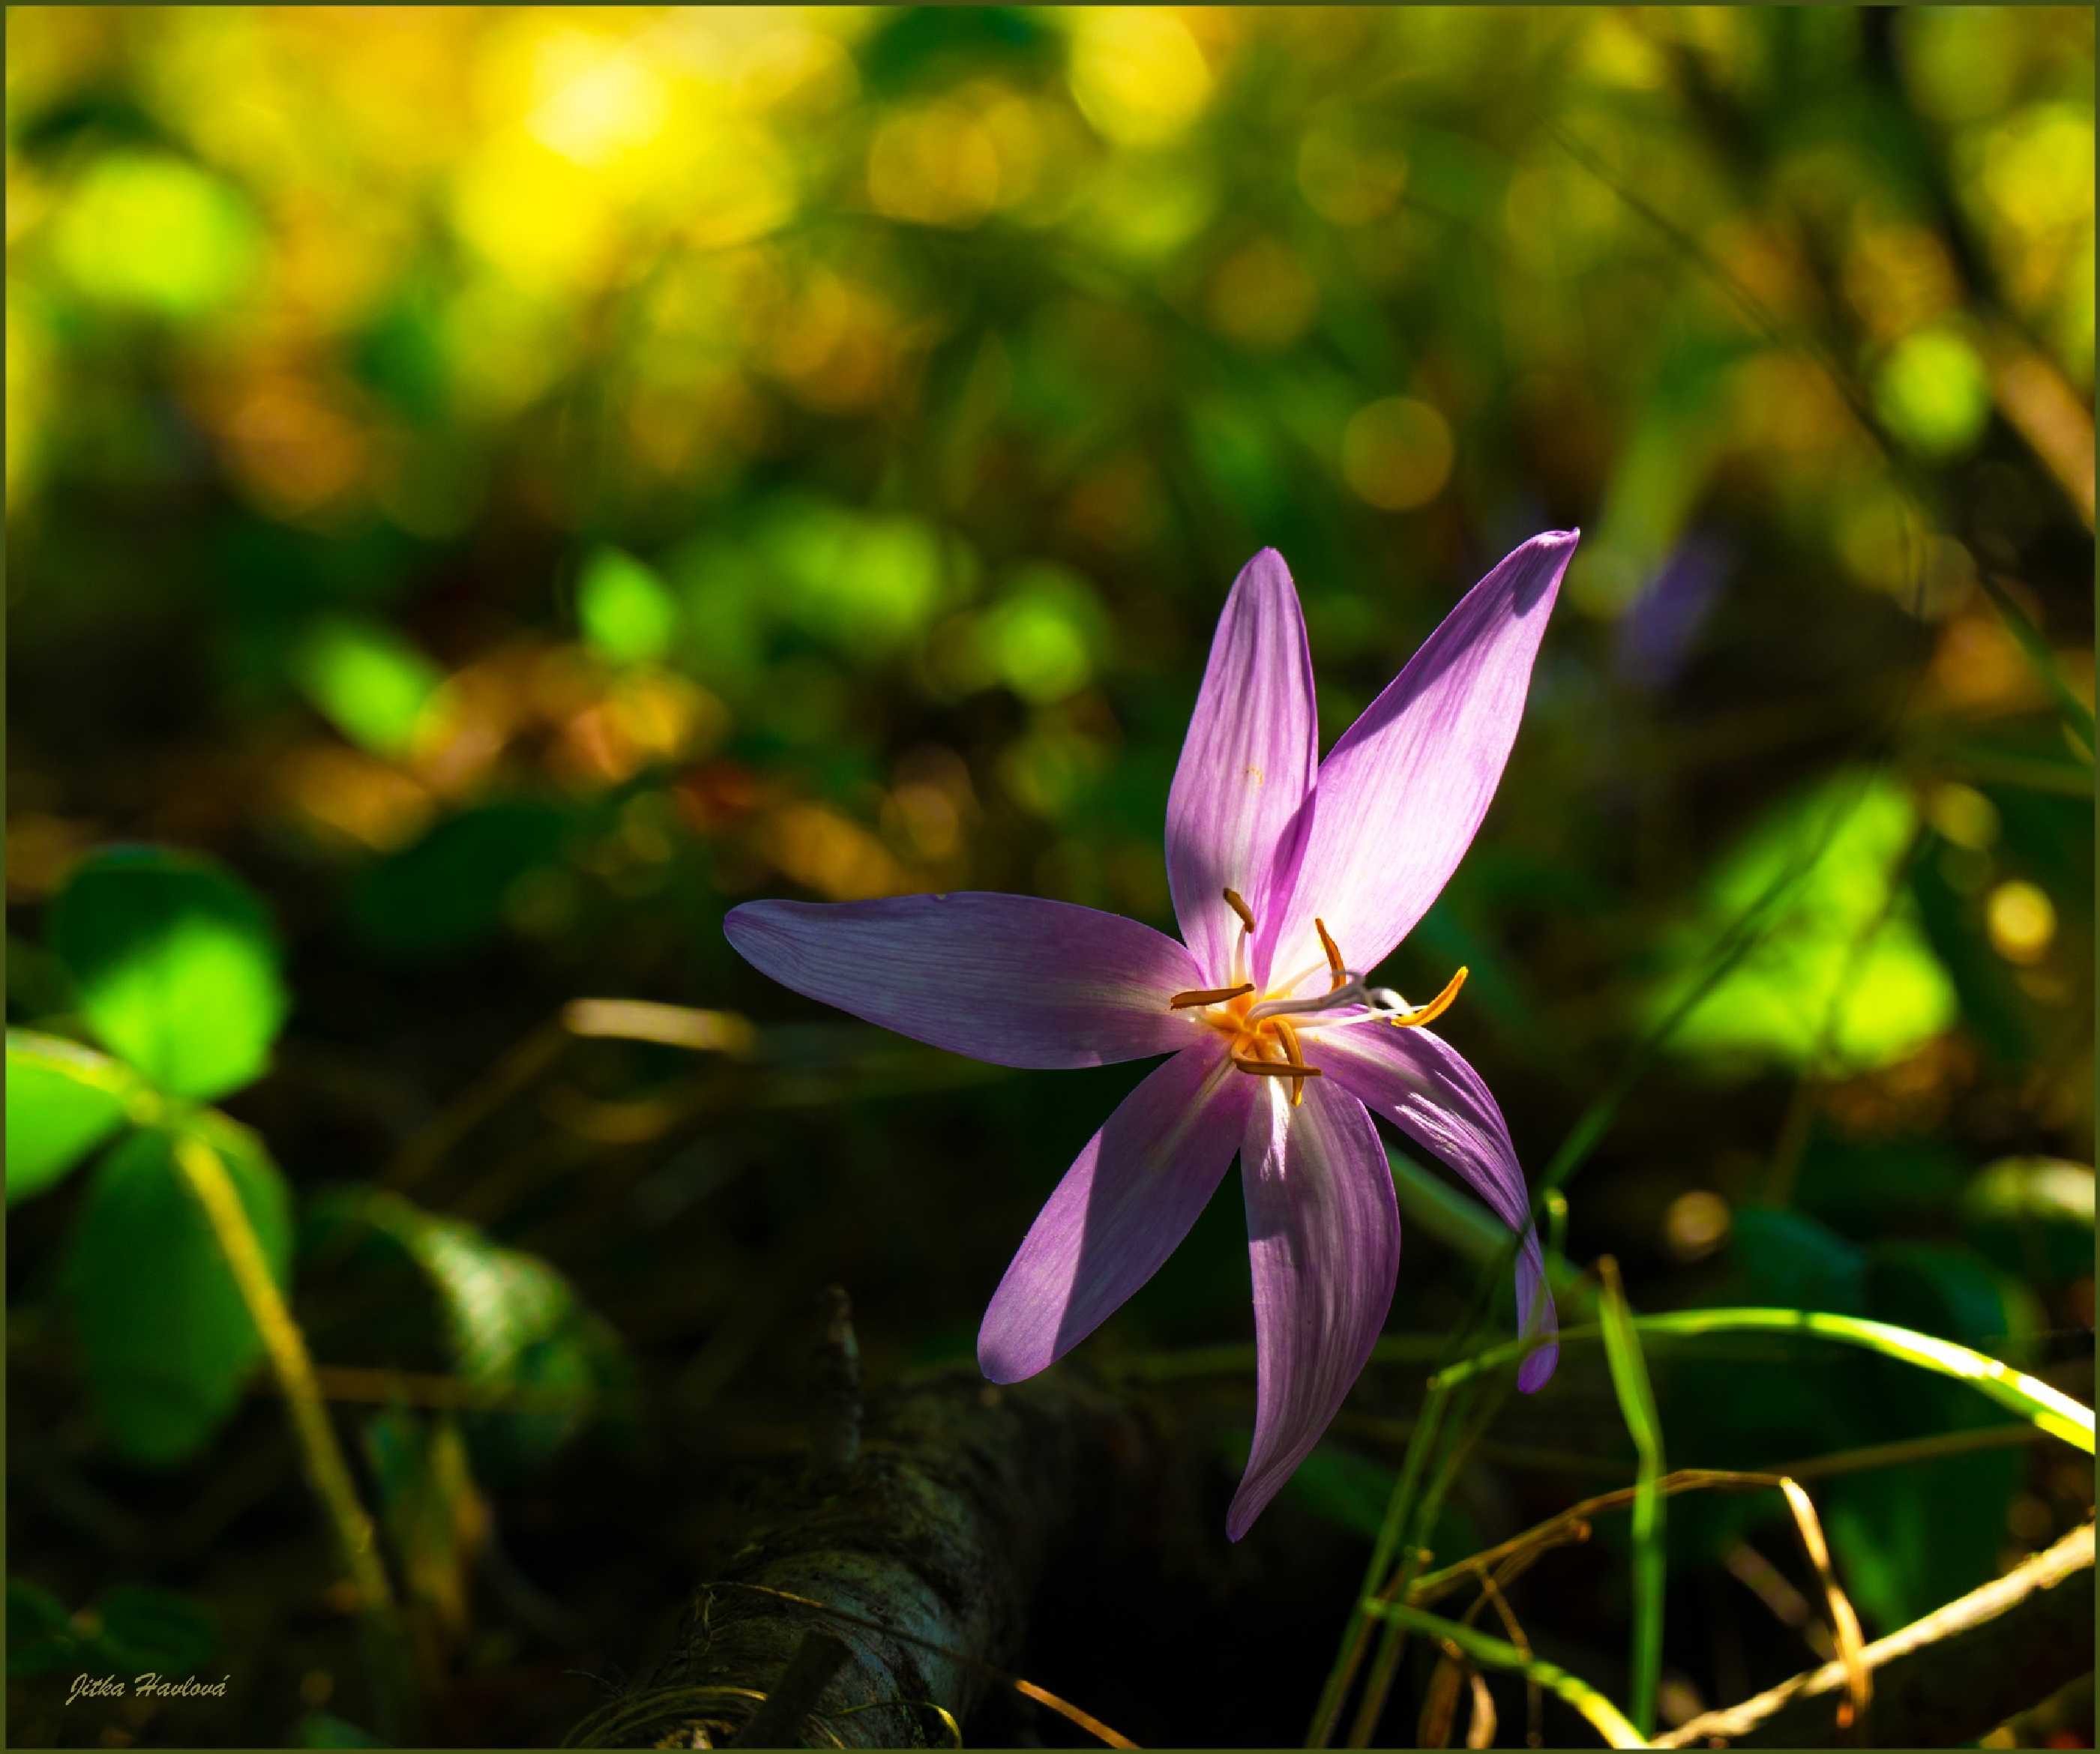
1323 1231
1122 1209
1399 798
1232 816
1424 1086
1007 978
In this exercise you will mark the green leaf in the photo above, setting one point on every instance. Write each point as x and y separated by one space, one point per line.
513 1326
1953 1293
40 1639
1780 1257
143 1628
366 681
167 1341
433 1516
129 1629
2033 1215
1843 970
627 612
63 1101
177 968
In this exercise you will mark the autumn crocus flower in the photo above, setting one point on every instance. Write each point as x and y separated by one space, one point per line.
1291 877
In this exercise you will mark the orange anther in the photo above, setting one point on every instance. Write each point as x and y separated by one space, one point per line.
1233 900
1289 1037
1435 1008
1208 996
1270 1068
1337 974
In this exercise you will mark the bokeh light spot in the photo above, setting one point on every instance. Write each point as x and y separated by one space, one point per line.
1397 453
1696 1223
2023 922
1933 392
153 233
626 612
1137 73
1262 295
937 165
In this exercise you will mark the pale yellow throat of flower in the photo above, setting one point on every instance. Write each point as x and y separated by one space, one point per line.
1266 1032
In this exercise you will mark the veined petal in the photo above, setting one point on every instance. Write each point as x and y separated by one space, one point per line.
1399 798
1323 1232
1006 978
1424 1086
1122 1209
1233 817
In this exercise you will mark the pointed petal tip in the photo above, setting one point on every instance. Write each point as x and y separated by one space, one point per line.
1004 1357
1536 1371
1245 1507
1002 1370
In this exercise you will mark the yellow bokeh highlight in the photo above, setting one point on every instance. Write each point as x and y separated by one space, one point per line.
537 217
1137 73
1345 178
594 101
936 164
1262 295
1964 815
1397 453
2022 921
1696 1223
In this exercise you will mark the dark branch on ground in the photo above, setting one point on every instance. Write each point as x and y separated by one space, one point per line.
940 1534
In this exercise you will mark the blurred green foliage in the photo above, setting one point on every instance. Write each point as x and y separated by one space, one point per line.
511 483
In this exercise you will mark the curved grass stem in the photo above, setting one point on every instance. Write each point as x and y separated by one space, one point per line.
286 1348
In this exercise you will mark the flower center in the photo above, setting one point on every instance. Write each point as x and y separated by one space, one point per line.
1266 1031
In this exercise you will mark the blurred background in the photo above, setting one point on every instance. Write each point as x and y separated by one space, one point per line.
488 490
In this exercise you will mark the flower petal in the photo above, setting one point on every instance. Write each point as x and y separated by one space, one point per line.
1323 1232
1233 817
1399 798
1422 1084
1006 978
1122 1209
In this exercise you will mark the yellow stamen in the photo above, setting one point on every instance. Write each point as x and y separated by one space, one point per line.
1336 973
1435 1008
1270 1068
1289 1037
1234 902
1208 996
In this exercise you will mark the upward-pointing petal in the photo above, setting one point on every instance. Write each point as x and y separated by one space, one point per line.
1399 798
1323 1232
1007 978
1246 764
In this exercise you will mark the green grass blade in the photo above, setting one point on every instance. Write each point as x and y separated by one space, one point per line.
2048 1409
1327 1714
1629 1381
2077 717
1605 1717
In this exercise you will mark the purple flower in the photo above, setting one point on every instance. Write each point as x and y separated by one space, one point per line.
1291 877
